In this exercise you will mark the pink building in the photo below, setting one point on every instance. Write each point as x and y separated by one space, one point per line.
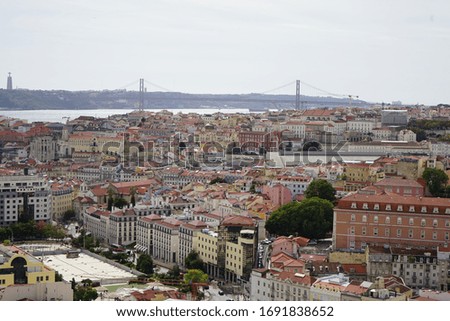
278 194
288 245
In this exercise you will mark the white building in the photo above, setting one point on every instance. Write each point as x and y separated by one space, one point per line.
407 135
296 127
166 240
361 126
296 184
273 285
329 288
24 195
144 233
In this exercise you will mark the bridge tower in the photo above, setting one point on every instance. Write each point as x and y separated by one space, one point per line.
141 93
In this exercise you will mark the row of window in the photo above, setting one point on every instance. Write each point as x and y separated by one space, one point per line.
388 207
387 232
387 220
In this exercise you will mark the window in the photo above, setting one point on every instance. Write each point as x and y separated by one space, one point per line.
364 218
446 236
434 235
375 231
424 209
353 218
447 223
411 221
387 232
352 230
422 234
410 233
400 208
376 207
387 220
353 205
435 210
399 232
365 206
423 222
411 208
363 230
388 207
399 220
375 219
435 223
447 211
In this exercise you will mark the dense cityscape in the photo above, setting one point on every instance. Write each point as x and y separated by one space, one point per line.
347 203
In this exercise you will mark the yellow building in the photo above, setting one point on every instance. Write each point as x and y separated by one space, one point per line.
18 267
362 172
229 251
62 197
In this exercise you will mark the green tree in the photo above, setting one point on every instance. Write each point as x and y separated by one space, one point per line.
110 199
145 264
175 272
68 216
193 261
217 180
436 180
321 188
82 293
120 202
312 218
58 277
195 276
133 195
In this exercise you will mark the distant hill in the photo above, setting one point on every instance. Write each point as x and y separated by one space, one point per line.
62 99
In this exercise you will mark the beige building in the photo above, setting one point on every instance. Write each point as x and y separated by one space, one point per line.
62 197
166 241
144 233
43 148
188 232
229 251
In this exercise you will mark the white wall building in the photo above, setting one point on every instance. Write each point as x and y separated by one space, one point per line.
24 195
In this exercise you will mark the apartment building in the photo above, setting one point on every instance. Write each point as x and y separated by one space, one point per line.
276 285
24 195
166 241
373 217
144 233
62 197
187 233
229 251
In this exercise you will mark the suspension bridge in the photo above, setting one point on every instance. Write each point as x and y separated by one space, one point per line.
298 100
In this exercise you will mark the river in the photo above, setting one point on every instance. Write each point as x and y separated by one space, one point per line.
56 115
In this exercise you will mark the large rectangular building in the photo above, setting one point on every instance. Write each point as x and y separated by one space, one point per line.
24 196
379 218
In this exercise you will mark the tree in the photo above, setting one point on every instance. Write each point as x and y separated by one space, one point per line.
133 195
195 276
321 188
110 199
436 180
145 264
175 272
217 180
82 293
68 215
193 261
311 218
120 202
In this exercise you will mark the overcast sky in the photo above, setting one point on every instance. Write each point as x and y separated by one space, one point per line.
381 50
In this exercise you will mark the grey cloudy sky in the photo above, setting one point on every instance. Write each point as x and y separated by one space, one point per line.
381 50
